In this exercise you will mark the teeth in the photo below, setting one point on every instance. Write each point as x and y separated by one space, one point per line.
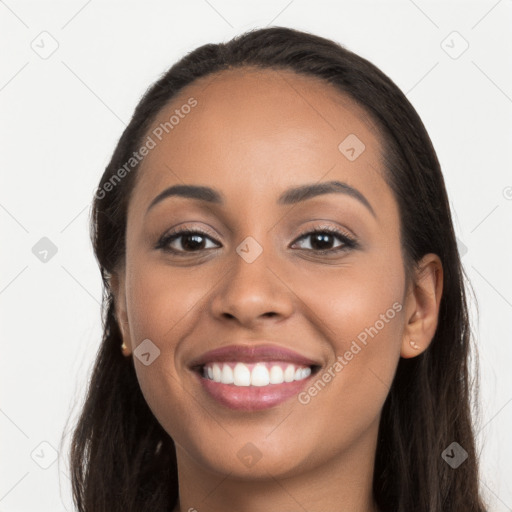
302 373
217 373
259 374
227 374
276 375
289 373
305 372
241 375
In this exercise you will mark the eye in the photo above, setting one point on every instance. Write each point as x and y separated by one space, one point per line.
192 240
322 237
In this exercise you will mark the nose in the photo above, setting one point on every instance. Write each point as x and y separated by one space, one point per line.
252 292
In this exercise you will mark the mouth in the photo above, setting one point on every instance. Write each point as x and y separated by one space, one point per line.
259 374
250 378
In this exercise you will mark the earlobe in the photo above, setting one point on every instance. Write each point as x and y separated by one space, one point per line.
422 306
414 345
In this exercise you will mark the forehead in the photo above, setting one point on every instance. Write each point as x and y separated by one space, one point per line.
256 132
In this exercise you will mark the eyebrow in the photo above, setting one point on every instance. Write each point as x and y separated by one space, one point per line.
290 196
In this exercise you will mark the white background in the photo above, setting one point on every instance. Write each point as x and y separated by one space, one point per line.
61 118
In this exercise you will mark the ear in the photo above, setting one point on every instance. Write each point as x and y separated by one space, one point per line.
117 286
422 306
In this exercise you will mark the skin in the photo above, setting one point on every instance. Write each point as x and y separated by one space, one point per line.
252 135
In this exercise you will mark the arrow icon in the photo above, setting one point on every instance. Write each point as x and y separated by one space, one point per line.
249 455
44 455
147 352
45 45
454 455
351 147
44 250
454 45
249 249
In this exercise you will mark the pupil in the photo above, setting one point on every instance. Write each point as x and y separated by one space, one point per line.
321 241
193 245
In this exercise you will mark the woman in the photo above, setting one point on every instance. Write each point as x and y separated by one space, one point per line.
285 323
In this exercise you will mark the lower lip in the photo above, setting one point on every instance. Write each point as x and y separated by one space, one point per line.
252 398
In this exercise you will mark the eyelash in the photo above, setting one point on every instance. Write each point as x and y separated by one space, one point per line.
348 242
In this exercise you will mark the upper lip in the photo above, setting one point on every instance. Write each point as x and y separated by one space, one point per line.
252 354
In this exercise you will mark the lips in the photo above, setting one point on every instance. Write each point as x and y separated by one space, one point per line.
250 386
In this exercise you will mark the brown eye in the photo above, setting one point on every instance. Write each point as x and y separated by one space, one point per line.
321 240
189 240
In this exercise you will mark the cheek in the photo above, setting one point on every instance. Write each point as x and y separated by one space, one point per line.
363 311
159 300
163 306
361 315
348 301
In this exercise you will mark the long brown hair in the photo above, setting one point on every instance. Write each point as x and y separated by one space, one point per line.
123 460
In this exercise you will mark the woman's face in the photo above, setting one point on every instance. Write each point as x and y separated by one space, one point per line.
252 279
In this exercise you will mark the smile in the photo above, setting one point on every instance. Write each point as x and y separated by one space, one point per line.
258 374
247 377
